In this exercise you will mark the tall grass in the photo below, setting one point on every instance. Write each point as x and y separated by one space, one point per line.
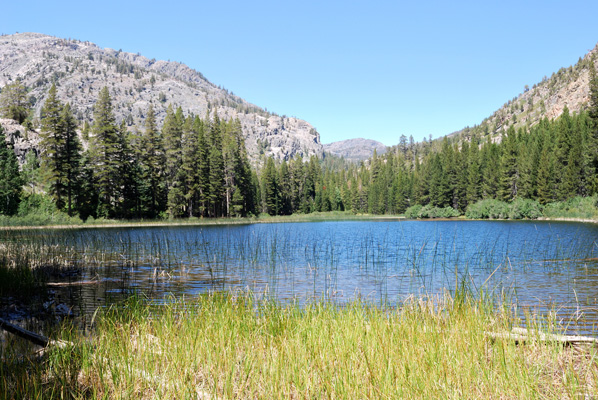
234 346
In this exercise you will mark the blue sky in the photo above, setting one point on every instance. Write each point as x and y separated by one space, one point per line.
372 69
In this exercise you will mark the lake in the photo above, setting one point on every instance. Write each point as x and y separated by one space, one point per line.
537 265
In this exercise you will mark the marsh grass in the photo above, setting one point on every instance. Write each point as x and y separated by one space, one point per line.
238 346
26 263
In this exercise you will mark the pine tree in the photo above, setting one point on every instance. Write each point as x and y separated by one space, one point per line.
490 170
86 195
284 184
587 170
172 132
52 144
270 188
103 150
10 178
571 185
151 166
562 147
297 177
60 151
13 102
591 153
71 155
509 179
216 163
440 193
474 178
203 165
128 180
525 161
546 181
189 165
462 176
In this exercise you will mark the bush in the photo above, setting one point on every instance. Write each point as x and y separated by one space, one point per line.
428 211
576 207
496 209
413 211
525 209
488 209
38 209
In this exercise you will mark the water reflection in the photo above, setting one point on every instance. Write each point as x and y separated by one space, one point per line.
540 265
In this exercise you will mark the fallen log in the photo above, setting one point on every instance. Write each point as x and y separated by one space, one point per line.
33 337
78 283
522 335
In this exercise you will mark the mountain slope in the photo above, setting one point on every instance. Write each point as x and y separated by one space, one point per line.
81 69
546 99
355 149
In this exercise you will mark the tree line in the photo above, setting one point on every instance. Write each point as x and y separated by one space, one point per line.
549 162
192 167
199 167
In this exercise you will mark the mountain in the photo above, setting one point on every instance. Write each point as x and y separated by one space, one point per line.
81 69
546 99
355 149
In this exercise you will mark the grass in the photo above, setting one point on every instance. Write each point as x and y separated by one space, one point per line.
234 346
52 221
26 263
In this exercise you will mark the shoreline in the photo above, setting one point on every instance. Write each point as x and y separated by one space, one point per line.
207 222
277 219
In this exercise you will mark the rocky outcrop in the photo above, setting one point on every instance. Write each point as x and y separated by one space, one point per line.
355 149
81 69
20 138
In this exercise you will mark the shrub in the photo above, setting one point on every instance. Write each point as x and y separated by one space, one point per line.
488 209
576 207
429 211
37 209
525 209
413 211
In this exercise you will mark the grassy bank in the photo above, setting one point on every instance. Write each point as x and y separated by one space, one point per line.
60 221
229 346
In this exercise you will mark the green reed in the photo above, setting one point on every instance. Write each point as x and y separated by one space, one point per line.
233 345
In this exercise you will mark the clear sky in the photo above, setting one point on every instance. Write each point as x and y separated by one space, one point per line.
372 69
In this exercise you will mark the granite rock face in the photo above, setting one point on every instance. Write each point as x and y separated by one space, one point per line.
81 69
355 149
20 138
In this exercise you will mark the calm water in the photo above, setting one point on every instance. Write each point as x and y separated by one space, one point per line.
538 265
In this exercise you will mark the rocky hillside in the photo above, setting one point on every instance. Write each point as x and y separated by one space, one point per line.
567 87
21 139
355 149
81 69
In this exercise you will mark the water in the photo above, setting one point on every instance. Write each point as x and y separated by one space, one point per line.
539 266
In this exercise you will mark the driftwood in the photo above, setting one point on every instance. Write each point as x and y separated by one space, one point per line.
78 283
522 335
34 338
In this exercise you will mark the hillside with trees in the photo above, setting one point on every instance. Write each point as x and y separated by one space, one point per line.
198 166
80 70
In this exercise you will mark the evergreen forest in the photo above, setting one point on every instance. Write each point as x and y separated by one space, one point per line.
199 167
